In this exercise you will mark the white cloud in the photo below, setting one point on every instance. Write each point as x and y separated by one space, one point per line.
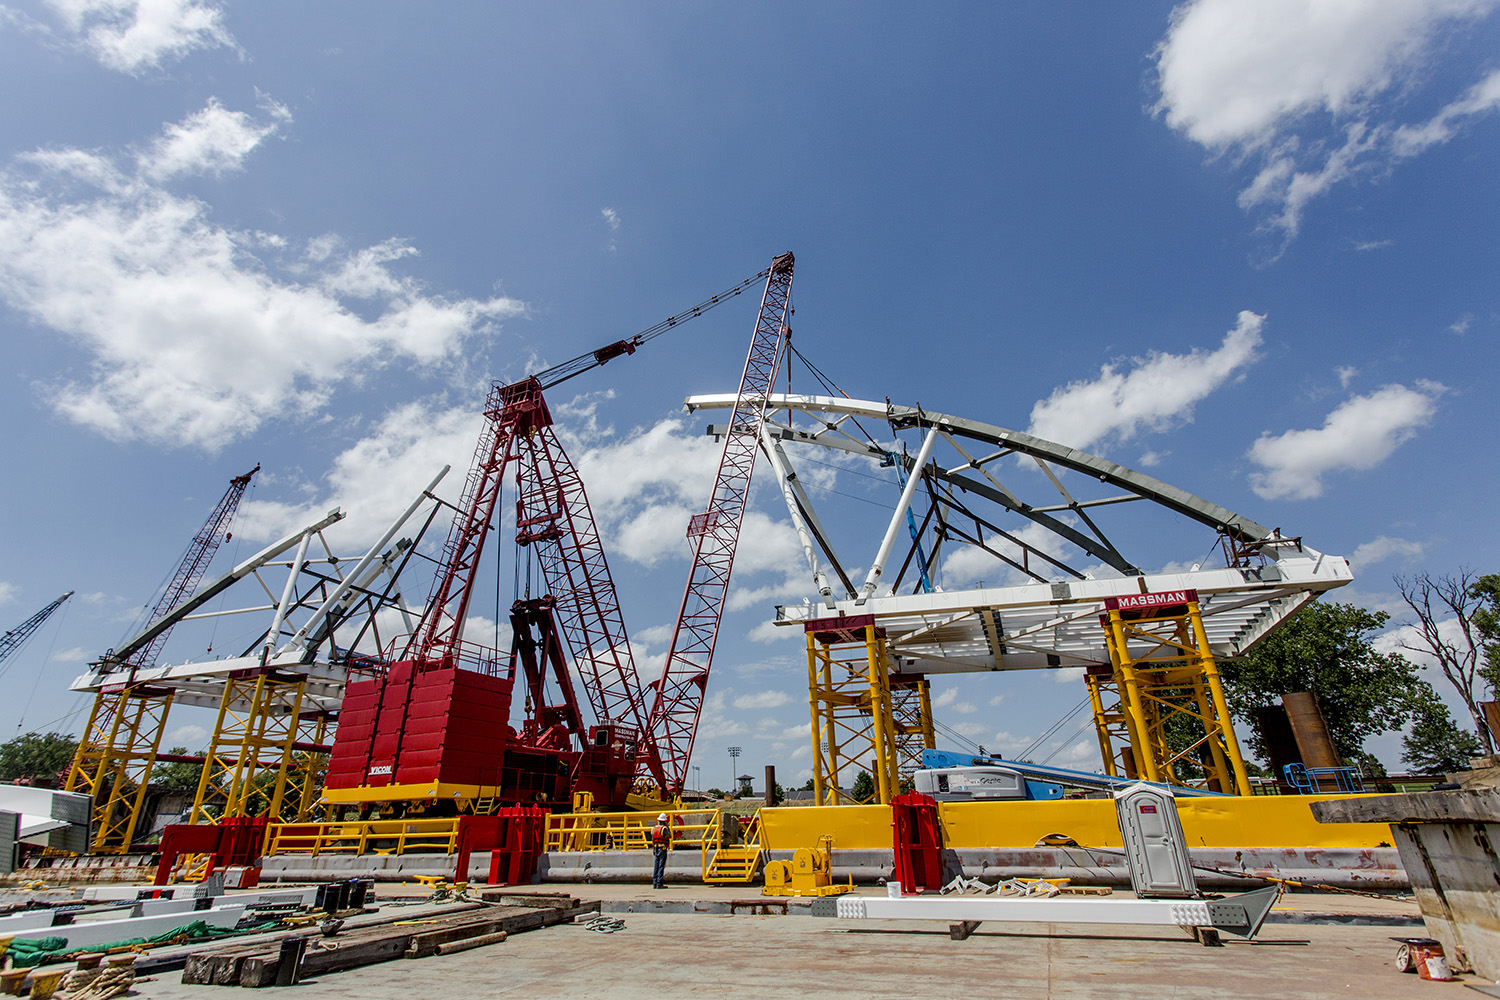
77 654
1461 325
378 476
135 35
763 699
195 337
7 592
1346 374
1156 393
1483 97
1151 459
212 141
187 735
1359 434
1380 549
612 220
1309 91
768 632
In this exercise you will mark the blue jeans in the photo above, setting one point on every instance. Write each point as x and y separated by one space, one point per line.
659 869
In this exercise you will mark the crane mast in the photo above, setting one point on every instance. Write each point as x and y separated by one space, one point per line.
392 744
114 759
200 552
673 722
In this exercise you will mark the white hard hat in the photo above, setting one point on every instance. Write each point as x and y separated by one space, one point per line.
662 818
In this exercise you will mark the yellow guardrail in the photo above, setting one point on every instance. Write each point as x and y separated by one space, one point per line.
630 831
380 836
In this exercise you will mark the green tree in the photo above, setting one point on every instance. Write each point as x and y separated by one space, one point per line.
177 775
1328 650
1434 744
809 786
1486 619
864 787
36 755
778 794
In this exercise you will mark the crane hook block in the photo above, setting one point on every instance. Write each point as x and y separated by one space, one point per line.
611 351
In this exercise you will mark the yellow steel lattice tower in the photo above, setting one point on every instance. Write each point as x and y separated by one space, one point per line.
1161 714
911 714
114 760
251 755
304 782
849 695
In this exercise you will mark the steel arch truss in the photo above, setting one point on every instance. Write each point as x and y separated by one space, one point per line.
969 486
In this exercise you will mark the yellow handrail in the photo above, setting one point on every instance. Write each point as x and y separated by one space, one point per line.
381 836
628 831
712 840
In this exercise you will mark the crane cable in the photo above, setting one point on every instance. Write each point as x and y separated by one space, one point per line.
558 374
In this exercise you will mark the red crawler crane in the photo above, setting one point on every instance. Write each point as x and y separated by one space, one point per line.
673 722
431 734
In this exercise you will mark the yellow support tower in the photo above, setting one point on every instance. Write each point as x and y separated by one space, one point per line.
114 760
250 757
849 695
304 781
911 713
1164 703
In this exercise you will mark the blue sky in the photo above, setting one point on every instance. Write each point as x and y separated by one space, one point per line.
1250 248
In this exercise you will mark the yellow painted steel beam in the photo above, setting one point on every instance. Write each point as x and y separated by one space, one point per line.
114 760
1170 679
251 751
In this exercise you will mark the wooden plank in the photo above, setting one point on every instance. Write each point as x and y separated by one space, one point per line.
521 897
371 944
220 966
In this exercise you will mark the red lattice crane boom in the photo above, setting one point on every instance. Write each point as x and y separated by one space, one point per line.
673 722
553 517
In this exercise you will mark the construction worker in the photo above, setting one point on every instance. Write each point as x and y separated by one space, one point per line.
661 841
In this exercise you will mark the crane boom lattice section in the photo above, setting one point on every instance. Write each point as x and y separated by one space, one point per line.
554 516
679 693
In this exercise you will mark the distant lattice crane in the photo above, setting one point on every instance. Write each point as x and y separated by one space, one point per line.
16 637
673 722
115 757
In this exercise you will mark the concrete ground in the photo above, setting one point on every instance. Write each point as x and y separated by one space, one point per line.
663 956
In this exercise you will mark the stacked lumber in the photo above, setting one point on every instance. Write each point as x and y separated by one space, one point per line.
258 963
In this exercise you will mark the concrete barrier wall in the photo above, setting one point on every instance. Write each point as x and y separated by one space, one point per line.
1370 869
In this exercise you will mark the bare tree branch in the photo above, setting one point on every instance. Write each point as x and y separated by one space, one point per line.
1444 607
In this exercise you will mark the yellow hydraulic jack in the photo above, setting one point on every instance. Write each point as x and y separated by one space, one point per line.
809 873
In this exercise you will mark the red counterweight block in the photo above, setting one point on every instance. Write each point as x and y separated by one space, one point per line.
419 726
455 728
348 764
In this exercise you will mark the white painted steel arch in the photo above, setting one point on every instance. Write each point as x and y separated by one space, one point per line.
1051 621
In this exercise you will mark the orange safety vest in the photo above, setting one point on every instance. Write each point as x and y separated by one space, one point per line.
659 835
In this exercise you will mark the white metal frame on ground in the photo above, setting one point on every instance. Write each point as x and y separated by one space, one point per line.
1052 620
1242 914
